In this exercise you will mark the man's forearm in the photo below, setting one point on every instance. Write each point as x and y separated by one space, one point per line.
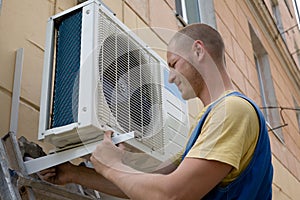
138 185
89 178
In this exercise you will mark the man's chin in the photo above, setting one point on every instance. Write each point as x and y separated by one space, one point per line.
187 97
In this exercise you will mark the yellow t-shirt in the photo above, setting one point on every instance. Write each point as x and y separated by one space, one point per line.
229 135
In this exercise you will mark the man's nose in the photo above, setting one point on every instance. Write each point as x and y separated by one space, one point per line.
172 76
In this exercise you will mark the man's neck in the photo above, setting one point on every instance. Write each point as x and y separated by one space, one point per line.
215 89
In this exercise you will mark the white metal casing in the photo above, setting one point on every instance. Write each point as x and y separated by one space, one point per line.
89 128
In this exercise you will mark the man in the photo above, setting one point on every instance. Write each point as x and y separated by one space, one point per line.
228 154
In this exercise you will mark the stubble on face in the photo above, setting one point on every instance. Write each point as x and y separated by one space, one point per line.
183 74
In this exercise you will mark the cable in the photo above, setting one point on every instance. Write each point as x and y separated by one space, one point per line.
281 114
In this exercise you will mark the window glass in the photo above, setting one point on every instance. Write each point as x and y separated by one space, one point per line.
192 11
267 91
189 10
297 107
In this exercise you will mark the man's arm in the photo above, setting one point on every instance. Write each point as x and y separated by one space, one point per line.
88 177
191 180
167 167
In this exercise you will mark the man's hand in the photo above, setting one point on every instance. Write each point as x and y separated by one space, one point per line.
59 175
107 155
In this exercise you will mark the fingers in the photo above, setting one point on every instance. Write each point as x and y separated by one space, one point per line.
121 146
107 135
47 174
94 159
47 177
46 171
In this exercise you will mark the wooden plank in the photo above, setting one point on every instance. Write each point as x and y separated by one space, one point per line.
45 191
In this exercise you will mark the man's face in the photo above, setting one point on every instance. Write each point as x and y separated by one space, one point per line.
183 74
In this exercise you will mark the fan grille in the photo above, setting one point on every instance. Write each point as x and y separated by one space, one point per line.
129 85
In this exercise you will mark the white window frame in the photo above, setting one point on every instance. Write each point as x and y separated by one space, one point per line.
184 15
296 4
184 10
267 90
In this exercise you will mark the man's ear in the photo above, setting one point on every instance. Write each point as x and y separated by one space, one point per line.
198 48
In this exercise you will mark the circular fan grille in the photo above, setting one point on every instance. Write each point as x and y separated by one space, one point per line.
129 87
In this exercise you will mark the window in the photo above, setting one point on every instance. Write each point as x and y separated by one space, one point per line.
298 117
297 52
267 91
298 56
277 17
189 10
288 7
0 6
297 107
296 4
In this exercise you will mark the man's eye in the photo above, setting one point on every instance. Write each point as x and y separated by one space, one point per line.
173 65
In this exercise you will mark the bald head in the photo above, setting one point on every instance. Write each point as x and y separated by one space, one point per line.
183 40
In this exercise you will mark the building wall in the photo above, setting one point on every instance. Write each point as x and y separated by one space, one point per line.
23 25
232 22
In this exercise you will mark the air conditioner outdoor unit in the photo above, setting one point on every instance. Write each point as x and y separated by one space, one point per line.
98 74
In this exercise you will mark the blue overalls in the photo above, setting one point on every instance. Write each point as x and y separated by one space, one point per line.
255 182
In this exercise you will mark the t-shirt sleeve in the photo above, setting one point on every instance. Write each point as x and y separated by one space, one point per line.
228 131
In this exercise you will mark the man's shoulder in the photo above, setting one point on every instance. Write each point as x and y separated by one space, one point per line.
235 103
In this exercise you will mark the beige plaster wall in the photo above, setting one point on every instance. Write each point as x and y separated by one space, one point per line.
232 21
23 25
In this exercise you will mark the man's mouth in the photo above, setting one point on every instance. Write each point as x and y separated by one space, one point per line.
178 86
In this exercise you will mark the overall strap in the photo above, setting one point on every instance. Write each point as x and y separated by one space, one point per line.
196 132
